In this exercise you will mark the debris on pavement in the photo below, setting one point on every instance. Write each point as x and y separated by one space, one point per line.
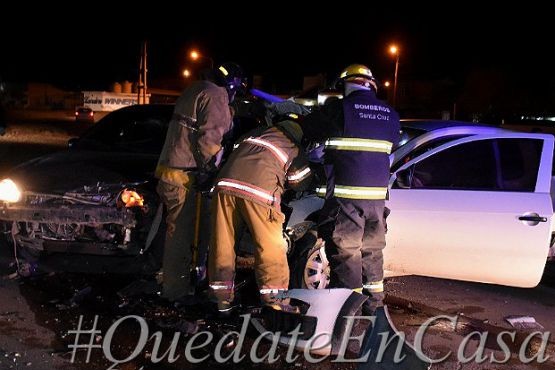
80 296
184 326
139 287
523 322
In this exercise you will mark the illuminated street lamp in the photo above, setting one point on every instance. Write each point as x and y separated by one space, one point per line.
186 73
195 55
393 49
386 85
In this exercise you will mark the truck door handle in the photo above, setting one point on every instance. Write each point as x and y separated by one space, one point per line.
533 218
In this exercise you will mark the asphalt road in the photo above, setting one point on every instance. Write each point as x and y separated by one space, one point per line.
37 313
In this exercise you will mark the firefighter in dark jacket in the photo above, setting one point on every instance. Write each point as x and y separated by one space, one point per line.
247 192
190 154
358 133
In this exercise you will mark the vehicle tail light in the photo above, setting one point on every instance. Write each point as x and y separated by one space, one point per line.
132 199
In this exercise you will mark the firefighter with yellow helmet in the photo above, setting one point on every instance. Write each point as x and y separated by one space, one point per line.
358 132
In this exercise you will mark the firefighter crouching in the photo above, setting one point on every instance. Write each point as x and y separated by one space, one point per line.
247 192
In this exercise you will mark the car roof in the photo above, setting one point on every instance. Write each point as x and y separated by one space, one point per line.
147 108
429 130
435 124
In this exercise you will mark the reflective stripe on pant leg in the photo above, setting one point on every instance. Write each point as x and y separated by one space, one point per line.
374 286
269 295
221 285
222 292
272 291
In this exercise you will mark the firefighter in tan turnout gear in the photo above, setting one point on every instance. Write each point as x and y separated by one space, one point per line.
191 152
247 192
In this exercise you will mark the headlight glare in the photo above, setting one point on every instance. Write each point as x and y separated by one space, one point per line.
9 191
131 198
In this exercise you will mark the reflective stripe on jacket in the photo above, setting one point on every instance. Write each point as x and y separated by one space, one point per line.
359 157
259 168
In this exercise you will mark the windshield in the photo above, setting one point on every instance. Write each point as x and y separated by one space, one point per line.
142 128
139 129
407 134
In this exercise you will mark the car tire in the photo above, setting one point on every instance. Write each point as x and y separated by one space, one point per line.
309 264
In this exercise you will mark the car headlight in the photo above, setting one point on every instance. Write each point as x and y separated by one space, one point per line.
131 198
9 191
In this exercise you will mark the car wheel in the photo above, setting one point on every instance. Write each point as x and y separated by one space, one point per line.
317 269
310 268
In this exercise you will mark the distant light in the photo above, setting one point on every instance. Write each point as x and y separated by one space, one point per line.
393 49
387 84
186 73
537 118
194 55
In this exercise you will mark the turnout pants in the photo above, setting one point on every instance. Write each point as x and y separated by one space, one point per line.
229 214
354 232
180 214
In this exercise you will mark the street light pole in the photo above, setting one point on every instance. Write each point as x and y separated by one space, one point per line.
395 82
395 51
142 83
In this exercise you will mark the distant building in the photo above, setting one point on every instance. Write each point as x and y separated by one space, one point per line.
104 101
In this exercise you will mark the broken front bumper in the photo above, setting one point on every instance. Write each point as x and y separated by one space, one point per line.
34 227
76 214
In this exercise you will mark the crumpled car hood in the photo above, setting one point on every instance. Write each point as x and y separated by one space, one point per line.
72 169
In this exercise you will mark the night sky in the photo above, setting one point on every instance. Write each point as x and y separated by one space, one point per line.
100 43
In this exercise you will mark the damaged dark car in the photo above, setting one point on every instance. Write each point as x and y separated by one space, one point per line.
94 206
95 199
